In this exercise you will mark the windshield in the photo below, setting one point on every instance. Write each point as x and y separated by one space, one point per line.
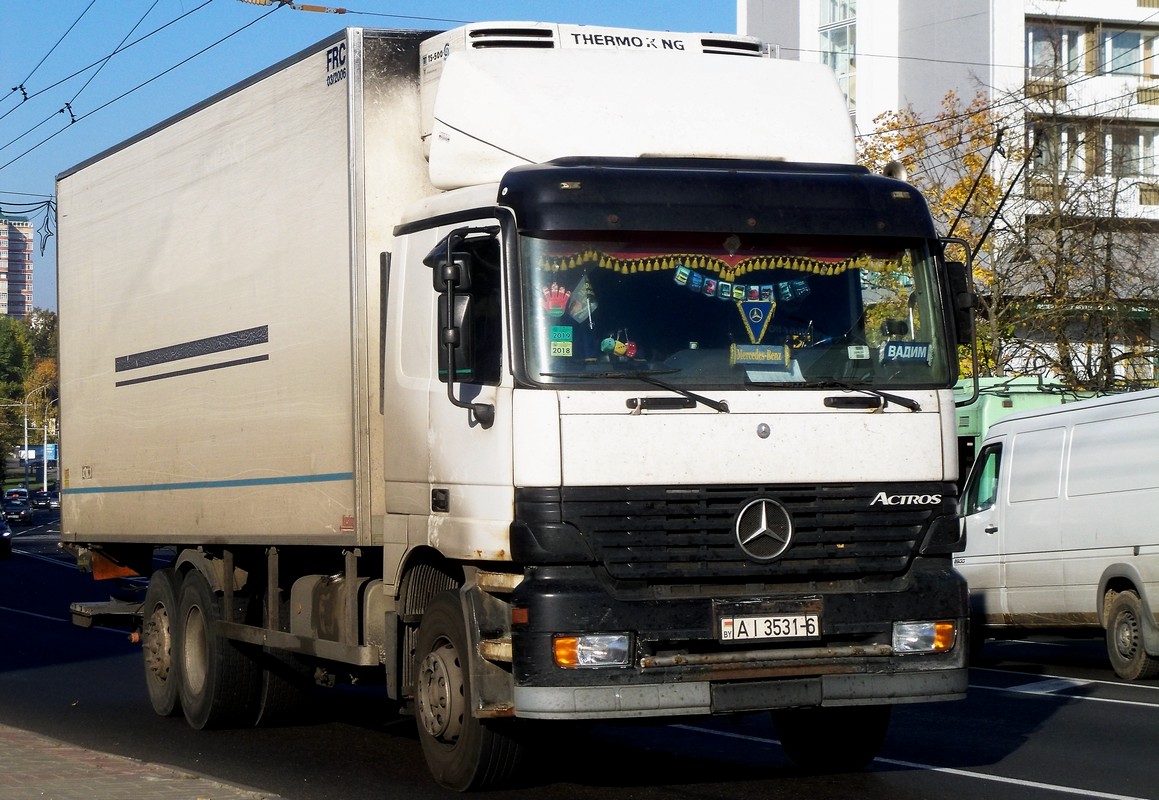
732 311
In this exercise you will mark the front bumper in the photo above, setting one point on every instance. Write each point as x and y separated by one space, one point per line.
679 666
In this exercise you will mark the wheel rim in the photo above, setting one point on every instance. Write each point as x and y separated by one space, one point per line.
158 644
440 693
1126 635
195 650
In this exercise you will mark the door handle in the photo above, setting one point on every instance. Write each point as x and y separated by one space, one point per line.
991 529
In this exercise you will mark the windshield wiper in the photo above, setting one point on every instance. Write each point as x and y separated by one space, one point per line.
646 377
905 402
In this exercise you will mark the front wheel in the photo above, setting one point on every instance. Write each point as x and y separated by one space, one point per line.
462 751
1125 639
839 739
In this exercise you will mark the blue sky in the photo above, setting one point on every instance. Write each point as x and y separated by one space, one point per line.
63 99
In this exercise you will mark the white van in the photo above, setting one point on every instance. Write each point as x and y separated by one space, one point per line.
1061 515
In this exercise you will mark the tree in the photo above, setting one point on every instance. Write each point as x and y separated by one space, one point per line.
1062 268
951 159
40 327
28 376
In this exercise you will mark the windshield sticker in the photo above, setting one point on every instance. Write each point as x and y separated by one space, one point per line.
555 299
912 352
561 341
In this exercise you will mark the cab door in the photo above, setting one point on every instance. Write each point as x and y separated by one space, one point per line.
982 563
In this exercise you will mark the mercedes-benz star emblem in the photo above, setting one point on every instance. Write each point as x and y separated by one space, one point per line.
763 529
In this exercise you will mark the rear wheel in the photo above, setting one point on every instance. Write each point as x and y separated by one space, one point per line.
1125 639
839 739
158 638
219 681
462 751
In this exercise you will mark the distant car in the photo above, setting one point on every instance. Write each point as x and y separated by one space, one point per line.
5 540
17 511
16 494
43 499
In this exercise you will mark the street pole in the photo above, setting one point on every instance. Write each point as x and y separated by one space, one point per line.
24 455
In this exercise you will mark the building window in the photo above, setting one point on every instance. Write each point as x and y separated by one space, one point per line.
839 44
1127 53
834 11
1053 52
1132 150
1058 148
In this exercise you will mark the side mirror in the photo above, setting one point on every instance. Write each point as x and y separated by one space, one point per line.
451 266
962 292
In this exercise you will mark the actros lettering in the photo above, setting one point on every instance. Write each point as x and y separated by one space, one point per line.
883 499
621 40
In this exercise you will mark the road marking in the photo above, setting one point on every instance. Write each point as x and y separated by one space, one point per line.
50 559
1030 688
120 631
1052 686
32 614
1101 682
1052 787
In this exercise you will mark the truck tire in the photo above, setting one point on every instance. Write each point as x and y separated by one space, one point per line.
1125 639
158 639
285 688
219 682
839 739
462 751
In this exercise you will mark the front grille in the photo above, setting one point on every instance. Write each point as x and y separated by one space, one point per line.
669 536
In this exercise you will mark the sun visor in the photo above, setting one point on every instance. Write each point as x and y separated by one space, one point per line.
497 109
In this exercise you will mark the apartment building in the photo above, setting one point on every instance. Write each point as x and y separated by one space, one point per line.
1077 82
16 238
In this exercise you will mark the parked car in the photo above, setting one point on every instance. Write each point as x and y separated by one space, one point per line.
5 540
43 499
17 511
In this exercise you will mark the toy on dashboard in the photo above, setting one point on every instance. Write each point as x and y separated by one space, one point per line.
618 344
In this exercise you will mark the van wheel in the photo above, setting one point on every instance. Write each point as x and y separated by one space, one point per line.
158 640
1125 639
220 683
462 751
830 740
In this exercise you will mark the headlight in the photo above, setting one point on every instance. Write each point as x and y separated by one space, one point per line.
926 636
593 650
